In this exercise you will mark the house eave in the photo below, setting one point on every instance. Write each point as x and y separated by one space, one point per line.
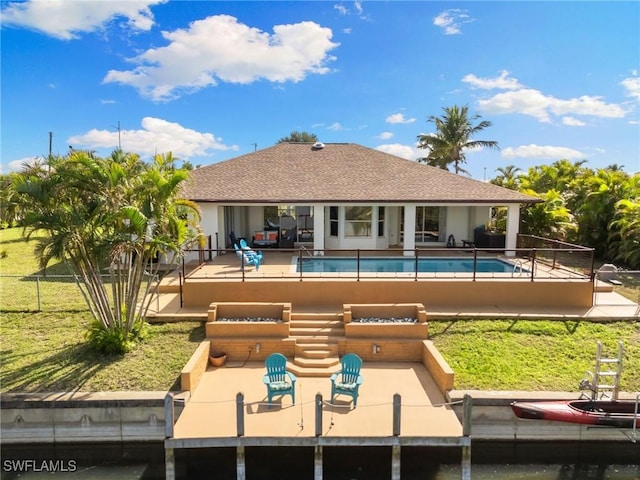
333 201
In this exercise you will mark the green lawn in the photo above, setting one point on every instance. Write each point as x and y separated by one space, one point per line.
533 355
46 351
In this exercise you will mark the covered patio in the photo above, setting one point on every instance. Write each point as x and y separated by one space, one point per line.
346 196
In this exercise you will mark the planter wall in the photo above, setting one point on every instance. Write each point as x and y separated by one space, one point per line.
280 311
418 330
240 328
384 310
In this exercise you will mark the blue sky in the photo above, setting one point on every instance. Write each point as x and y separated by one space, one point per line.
213 80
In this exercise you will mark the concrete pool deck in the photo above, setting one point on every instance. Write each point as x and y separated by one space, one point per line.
550 294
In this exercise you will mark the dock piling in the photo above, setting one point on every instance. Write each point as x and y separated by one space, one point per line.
318 414
466 432
397 399
240 414
317 463
241 468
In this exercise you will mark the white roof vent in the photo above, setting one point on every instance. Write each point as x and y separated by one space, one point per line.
318 145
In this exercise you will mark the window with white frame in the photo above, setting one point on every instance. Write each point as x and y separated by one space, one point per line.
357 221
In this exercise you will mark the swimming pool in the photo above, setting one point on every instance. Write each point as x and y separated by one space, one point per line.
404 264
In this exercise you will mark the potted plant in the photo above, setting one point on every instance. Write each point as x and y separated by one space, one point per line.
217 359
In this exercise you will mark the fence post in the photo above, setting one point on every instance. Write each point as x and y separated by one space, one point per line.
300 263
533 263
38 292
475 262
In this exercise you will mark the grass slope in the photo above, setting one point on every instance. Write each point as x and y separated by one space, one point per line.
46 351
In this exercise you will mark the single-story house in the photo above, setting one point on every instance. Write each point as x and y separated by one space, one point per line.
345 196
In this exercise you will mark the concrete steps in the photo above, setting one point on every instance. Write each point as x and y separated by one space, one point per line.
317 335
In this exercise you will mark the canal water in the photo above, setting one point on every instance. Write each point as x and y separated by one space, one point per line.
490 460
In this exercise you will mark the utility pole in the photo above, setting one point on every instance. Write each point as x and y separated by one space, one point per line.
119 130
50 143
255 146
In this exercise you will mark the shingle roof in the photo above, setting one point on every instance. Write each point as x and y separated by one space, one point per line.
339 172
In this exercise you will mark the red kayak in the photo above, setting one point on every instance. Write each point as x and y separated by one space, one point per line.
603 413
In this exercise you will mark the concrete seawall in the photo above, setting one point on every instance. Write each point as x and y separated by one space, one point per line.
82 417
139 416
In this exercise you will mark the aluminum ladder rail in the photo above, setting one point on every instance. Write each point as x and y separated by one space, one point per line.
607 373
605 379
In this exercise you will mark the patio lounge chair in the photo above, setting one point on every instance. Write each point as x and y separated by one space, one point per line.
249 256
249 251
348 380
277 380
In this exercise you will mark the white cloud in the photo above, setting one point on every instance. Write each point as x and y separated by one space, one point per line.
452 20
399 150
632 86
385 136
218 48
535 104
156 135
399 118
65 19
107 101
542 152
502 82
572 122
17 165
335 127
342 10
357 9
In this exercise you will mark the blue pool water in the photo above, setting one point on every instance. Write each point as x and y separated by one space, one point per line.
405 264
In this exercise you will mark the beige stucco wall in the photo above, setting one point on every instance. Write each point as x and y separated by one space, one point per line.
195 368
509 293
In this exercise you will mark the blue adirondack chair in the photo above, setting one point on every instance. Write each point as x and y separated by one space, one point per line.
249 257
348 380
277 380
253 256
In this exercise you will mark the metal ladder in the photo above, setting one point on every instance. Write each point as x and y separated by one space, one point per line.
604 381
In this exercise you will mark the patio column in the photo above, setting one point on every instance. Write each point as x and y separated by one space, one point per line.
409 241
513 223
318 228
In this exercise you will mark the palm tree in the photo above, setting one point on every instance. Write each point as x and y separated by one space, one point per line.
508 177
299 137
454 132
115 214
550 218
627 227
